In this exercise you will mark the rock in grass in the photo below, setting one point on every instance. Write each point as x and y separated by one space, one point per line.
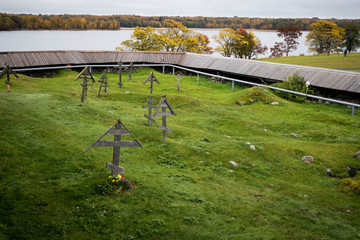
357 155
252 147
206 139
233 163
308 159
275 103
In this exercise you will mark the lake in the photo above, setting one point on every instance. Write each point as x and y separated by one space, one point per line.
107 40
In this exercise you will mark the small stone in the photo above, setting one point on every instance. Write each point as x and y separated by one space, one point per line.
275 103
248 143
306 196
271 185
207 153
252 147
127 92
348 211
253 164
357 155
111 112
294 135
228 137
206 140
233 163
307 159
265 130
230 170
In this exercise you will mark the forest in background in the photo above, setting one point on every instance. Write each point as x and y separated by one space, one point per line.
114 22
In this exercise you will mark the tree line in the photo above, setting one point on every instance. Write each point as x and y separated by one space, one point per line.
325 37
114 22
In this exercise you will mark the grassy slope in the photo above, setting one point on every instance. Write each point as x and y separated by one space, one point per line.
351 61
185 191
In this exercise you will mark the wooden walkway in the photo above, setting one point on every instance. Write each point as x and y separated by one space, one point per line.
318 77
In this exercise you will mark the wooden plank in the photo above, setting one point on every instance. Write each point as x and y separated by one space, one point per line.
152 106
150 100
110 143
164 128
150 118
164 114
118 132
114 168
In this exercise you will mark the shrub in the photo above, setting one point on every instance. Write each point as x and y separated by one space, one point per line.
295 83
350 185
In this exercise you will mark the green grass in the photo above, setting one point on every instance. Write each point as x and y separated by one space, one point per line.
335 61
49 186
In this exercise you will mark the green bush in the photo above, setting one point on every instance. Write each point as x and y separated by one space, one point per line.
295 83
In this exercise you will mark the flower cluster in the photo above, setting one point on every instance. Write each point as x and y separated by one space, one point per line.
121 183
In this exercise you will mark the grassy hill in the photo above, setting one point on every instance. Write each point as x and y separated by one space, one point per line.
350 62
186 188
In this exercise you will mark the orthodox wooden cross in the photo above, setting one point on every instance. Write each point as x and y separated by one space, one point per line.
85 74
178 79
103 82
164 103
118 129
151 78
130 68
120 67
150 107
7 70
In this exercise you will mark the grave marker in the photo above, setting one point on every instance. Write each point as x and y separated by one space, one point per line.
7 70
103 82
151 78
130 68
120 67
163 105
118 129
86 75
150 107
178 79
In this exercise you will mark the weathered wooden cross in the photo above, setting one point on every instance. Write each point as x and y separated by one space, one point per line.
118 129
178 79
151 78
103 82
85 74
130 68
164 103
7 70
120 67
150 107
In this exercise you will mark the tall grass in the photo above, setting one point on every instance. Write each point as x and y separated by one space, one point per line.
186 188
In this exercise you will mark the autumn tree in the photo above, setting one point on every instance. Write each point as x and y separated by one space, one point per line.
352 37
143 39
226 39
290 35
175 38
239 44
325 37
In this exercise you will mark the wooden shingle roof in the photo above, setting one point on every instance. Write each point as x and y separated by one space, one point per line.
319 77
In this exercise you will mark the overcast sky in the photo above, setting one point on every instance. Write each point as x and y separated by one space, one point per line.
215 8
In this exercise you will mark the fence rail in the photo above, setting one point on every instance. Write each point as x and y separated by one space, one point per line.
233 80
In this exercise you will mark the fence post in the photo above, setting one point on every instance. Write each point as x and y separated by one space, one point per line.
233 83
198 77
173 71
163 69
353 111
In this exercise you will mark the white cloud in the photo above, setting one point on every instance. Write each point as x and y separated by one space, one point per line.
226 8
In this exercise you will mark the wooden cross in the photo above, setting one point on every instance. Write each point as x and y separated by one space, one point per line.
7 70
130 68
103 81
118 129
85 74
164 103
151 78
178 79
120 67
150 107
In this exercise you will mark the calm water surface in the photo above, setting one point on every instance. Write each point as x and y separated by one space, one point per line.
105 40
